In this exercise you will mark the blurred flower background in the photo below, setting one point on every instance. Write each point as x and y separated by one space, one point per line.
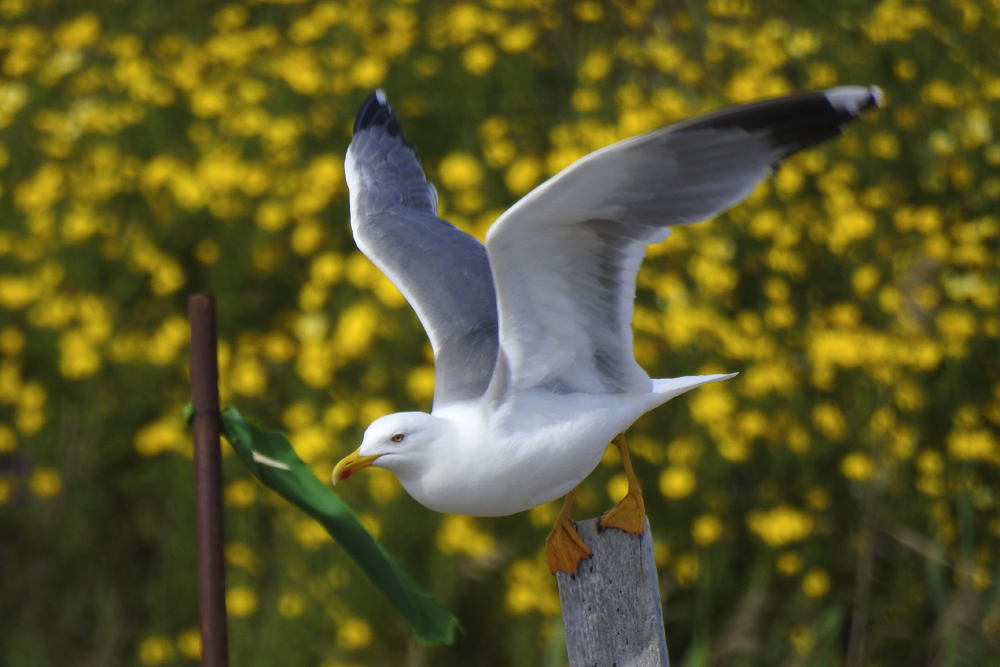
835 504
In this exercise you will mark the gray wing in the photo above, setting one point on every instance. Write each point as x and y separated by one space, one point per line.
565 257
443 272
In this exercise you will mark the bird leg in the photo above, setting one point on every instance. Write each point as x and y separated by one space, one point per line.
563 547
630 512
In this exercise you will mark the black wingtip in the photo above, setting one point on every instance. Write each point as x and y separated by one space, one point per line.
798 121
376 112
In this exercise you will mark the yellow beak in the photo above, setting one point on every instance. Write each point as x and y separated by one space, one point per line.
351 464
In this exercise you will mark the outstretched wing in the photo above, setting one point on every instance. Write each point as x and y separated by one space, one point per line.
443 272
565 257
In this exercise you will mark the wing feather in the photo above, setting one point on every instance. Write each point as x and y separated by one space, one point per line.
442 272
564 258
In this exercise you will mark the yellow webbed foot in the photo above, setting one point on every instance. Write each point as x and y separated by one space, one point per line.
628 515
630 512
564 548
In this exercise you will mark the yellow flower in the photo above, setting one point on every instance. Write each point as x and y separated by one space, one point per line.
420 383
298 415
885 145
904 69
523 174
942 93
518 38
11 341
588 11
712 404
247 376
16 292
354 634
79 32
278 347
853 224
677 482
42 190
955 324
155 650
972 444
45 482
479 58
789 563
801 639
586 99
596 65
241 493
460 171
291 605
462 536
355 330
828 418
681 451
241 601
207 101
464 20
311 442
240 555
864 280
816 583
858 467
822 75
530 587
686 569
315 364
706 530
307 237
310 533
189 644
383 485
326 269
8 439
617 487
781 525
77 357
164 435
339 416
169 338
543 515
498 153
368 72
271 216
797 439
373 408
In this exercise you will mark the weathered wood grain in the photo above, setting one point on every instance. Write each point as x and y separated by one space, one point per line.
611 609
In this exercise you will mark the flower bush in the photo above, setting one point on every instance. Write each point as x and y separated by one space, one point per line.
835 503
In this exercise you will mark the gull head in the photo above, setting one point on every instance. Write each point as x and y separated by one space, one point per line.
403 443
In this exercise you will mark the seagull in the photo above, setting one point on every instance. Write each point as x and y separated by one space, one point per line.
531 332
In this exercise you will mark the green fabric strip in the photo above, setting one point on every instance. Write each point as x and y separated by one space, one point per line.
270 457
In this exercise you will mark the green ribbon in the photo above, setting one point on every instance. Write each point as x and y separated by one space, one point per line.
271 459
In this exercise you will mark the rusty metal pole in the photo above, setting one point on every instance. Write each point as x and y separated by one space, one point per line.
205 425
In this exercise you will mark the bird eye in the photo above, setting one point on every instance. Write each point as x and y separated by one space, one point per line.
397 438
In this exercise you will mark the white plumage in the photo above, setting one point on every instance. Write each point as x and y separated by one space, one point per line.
532 336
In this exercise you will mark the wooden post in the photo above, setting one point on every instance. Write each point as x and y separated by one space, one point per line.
611 609
205 425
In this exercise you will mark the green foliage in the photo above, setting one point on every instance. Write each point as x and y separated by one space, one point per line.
835 503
